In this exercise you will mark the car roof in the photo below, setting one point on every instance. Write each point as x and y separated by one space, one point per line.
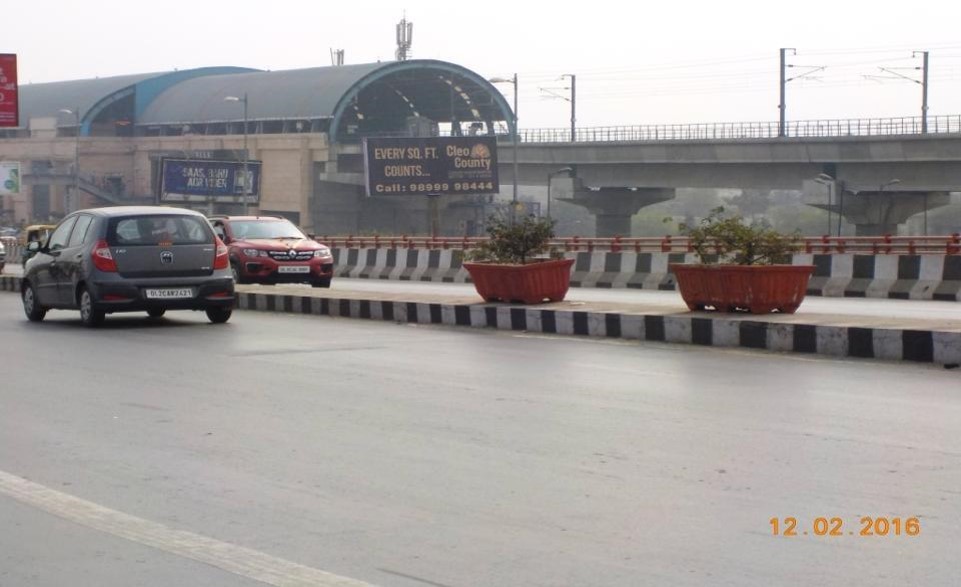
115 211
216 217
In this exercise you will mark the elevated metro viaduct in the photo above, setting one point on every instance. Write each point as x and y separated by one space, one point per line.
306 126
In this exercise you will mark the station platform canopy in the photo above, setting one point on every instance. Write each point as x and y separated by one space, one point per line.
348 102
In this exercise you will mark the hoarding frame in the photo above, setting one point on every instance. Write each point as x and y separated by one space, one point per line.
228 170
9 91
430 165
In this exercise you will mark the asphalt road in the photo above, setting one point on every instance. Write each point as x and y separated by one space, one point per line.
277 449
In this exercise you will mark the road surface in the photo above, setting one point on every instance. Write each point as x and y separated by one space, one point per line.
175 452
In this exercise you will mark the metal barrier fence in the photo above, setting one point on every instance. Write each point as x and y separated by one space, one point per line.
863 127
824 245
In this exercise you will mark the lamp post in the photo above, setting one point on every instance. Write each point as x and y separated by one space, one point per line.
75 195
246 153
826 180
573 103
550 176
511 80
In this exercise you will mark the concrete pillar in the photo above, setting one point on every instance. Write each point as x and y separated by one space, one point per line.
612 207
877 213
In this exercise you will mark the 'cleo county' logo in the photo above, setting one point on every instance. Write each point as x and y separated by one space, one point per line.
476 157
480 151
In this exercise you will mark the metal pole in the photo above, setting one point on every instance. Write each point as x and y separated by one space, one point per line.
840 207
924 96
830 201
75 199
246 161
782 107
549 176
573 106
514 198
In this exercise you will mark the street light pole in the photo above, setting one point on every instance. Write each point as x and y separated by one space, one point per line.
246 152
76 161
573 104
512 80
550 176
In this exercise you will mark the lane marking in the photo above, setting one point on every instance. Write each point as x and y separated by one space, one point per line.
232 558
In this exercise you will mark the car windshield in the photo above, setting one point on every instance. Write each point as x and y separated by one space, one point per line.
253 229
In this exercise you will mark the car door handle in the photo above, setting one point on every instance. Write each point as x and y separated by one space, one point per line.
78 257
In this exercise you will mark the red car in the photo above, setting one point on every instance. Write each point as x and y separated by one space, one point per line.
267 249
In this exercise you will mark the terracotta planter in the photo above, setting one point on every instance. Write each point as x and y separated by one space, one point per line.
533 283
758 289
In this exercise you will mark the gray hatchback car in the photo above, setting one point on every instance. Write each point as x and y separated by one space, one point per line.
129 259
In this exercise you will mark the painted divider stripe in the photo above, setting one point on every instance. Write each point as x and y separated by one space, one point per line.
753 334
702 331
612 325
805 338
548 321
238 560
518 319
861 342
918 346
654 328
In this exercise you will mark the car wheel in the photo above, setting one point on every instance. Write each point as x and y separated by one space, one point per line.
219 314
235 271
34 311
320 282
156 312
90 316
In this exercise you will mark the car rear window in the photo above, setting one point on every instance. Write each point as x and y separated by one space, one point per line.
158 230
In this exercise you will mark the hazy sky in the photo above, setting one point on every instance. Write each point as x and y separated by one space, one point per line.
669 62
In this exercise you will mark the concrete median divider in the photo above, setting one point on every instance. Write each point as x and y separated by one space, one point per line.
917 277
840 337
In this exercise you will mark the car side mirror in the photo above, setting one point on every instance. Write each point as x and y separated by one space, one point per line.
33 246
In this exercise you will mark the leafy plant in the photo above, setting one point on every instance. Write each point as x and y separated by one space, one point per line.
513 243
729 239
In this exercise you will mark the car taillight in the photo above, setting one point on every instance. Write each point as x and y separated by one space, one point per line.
222 257
101 257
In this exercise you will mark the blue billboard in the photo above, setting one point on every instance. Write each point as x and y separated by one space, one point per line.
207 180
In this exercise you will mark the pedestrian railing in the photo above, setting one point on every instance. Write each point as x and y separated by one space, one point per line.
824 245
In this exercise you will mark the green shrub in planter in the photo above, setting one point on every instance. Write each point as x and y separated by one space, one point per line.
513 243
729 239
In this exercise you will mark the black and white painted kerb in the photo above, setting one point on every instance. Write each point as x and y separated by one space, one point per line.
879 343
925 346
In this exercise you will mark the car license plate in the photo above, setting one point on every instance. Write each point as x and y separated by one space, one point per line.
293 269
170 293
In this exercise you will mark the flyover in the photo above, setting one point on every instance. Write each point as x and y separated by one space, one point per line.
881 171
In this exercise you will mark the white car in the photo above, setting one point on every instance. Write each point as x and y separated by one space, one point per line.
3 256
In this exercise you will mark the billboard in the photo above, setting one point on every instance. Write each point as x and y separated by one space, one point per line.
9 178
433 165
208 180
9 111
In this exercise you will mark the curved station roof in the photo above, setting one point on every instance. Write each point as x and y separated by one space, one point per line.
348 102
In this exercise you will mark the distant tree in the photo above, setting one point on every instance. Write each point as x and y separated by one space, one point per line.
751 203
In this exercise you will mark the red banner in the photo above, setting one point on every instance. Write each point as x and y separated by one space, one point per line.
9 113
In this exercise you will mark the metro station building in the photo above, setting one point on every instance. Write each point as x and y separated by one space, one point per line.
107 136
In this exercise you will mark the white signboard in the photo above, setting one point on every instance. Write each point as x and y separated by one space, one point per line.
9 178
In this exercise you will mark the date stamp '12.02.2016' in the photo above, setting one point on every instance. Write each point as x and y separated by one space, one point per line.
866 526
